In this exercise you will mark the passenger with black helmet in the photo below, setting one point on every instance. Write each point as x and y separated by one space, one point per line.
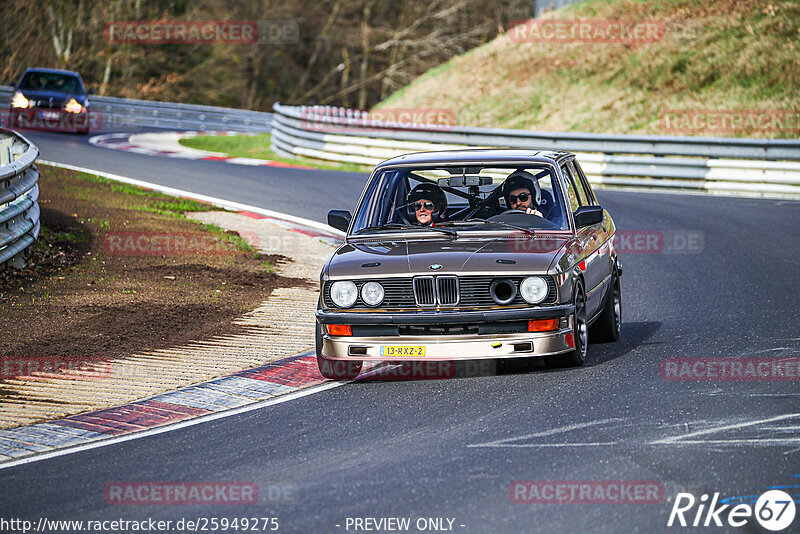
426 204
522 192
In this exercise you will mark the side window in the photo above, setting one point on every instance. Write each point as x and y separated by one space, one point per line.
574 203
579 190
582 183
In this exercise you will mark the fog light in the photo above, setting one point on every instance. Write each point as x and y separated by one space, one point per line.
542 325
340 330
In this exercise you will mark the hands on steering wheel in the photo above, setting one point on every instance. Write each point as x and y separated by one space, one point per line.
528 211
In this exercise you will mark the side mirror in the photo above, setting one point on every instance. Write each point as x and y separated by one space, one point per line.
339 219
588 215
91 91
13 85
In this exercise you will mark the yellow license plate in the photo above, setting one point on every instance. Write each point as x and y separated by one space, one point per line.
403 351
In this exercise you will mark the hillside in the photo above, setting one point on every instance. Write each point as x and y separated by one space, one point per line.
723 55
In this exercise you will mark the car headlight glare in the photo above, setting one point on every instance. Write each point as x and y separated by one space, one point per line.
344 294
19 101
73 106
372 293
533 289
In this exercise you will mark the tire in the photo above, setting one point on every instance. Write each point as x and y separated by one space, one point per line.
335 369
607 327
580 331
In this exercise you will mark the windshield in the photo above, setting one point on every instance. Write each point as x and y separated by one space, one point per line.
462 197
51 81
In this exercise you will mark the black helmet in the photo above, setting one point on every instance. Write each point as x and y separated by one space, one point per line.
520 179
428 191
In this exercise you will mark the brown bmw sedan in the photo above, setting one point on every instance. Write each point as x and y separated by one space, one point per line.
470 254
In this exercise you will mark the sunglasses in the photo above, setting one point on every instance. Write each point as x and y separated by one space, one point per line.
523 197
427 206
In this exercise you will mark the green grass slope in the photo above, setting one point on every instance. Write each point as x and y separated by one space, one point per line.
714 55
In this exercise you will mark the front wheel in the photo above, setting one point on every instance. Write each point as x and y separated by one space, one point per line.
335 369
580 334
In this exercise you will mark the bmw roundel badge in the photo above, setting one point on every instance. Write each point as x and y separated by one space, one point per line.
435 267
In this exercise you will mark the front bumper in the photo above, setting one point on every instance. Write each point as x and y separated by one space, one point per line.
417 317
472 346
450 348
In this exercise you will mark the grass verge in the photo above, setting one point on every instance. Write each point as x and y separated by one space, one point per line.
258 147
119 269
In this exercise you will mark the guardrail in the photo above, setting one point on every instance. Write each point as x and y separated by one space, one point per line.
754 167
112 112
19 192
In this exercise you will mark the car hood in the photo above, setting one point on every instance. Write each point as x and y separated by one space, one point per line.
463 256
58 97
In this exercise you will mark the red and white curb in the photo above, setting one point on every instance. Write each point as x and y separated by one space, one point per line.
240 392
232 391
167 144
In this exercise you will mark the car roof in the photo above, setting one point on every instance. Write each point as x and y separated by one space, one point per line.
477 155
51 71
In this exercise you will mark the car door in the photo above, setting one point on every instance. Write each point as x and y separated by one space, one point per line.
593 269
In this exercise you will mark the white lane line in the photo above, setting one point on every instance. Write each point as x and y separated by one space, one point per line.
564 445
687 438
227 204
506 442
735 441
174 426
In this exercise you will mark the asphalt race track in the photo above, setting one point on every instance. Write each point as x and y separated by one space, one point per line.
451 448
259 186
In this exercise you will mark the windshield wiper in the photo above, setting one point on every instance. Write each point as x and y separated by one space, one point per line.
507 225
397 226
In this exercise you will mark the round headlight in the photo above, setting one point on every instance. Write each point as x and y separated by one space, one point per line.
533 289
344 294
372 293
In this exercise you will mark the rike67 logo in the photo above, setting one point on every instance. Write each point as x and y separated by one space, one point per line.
774 510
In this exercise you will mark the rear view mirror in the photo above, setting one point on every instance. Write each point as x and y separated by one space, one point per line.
588 215
339 219
469 180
